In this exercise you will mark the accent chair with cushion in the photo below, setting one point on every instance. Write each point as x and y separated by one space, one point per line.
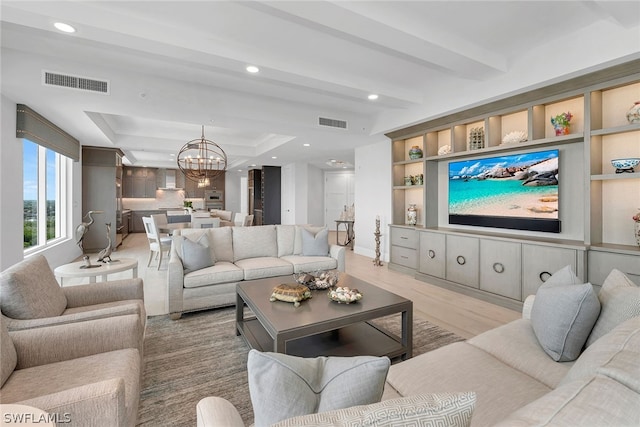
88 373
30 297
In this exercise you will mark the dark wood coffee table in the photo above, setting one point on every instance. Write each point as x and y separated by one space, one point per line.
321 327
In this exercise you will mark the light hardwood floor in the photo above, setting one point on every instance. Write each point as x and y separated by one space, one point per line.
461 314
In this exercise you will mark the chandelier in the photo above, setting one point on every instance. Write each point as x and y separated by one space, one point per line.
201 160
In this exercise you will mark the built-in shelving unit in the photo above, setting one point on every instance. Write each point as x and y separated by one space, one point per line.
598 202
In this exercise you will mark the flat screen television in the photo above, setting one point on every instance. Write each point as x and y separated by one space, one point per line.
513 191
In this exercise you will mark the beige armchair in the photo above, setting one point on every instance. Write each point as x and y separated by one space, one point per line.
85 373
30 297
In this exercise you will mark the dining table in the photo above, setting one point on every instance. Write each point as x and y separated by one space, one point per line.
171 227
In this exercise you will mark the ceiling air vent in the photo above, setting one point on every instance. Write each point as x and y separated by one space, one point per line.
75 82
323 121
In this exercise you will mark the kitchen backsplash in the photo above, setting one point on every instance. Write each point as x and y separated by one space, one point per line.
164 199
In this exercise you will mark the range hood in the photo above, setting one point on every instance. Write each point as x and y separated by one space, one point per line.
170 180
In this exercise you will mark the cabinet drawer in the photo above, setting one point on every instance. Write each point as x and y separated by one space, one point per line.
462 260
432 254
404 237
601 264
500 268
540 262
404 256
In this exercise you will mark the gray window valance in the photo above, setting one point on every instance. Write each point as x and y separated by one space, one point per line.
34 127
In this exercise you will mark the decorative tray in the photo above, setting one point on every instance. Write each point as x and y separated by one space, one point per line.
344 295
317 280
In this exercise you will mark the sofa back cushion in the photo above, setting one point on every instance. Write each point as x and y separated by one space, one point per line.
8 352
286 239
29 290
254 242
624 337
620 300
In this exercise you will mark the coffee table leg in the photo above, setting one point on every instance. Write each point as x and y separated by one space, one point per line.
279 345
407 333
239 313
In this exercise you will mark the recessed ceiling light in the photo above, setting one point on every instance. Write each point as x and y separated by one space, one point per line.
273 157
333 160
253 69
307 145
253 166
65 28
372 97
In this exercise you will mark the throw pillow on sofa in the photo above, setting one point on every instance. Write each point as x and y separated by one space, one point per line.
620 300
283 386
442 409
196 255
563 315
315 245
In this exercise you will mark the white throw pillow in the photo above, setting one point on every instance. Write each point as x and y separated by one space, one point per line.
283 386
442 409
563 315
620 300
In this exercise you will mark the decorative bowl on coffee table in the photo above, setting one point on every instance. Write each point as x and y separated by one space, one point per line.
317 280
344 295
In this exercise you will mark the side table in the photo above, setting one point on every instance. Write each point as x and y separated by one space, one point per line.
117 265
350 237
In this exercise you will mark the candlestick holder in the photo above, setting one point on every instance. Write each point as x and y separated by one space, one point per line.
376 261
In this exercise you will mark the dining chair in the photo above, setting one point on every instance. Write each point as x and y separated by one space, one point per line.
160 221
157 244
238 219
205 222
248 221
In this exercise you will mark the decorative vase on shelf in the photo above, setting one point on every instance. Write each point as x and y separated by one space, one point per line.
415 153
633 115
412 215
561 123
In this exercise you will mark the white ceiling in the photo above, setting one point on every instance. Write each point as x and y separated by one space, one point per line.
174 66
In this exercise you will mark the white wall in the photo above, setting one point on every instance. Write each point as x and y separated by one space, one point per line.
232 191
315 191
11 197
373 197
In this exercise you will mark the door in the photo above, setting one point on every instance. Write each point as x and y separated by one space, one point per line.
288 195
338 195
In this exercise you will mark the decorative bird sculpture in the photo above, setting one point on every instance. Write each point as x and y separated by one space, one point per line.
82 229
105 254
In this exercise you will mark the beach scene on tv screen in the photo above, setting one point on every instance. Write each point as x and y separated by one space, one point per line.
517 185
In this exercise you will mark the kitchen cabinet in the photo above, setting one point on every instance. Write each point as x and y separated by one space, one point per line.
139 182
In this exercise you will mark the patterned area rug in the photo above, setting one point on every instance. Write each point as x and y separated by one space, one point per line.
200 355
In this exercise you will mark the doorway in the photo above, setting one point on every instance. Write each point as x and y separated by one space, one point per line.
339 190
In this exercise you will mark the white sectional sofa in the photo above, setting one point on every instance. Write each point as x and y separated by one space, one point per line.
236 254
515 381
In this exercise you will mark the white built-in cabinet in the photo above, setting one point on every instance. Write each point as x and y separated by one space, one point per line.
597 230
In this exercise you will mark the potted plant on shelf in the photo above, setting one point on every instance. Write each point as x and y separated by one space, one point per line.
561 123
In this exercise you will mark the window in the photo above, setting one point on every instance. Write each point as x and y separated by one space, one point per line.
44 196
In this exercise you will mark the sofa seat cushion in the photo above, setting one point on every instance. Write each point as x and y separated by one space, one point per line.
516 345
221 272
307 264
600 401
31 383
261 267
500 389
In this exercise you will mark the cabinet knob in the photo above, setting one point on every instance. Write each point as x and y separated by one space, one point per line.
498 267
544 276
461 260
432 254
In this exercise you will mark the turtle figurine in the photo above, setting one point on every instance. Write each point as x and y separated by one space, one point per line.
290 293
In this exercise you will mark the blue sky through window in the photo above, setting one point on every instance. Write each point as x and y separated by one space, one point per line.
30 173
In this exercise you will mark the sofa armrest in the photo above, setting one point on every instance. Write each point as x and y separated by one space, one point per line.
104 292
101 403
216 411
42 346
527 306
175 283
338 253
